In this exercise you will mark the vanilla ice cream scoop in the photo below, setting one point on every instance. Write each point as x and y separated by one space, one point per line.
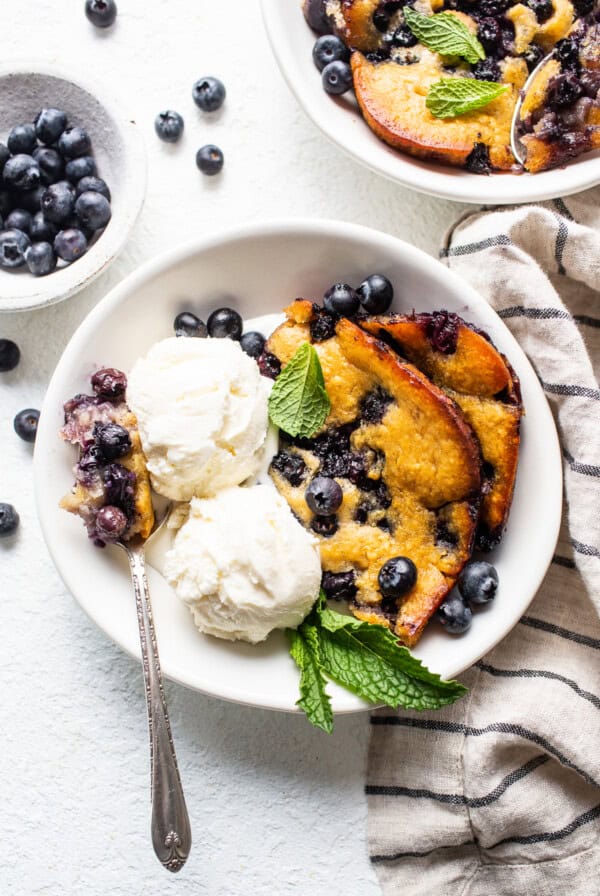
201 407
244 564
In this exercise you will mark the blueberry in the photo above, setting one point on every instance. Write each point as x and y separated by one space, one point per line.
376 294
9 520
397 576
187 324
111 523
564 90
21 172
325 526
49 125
487 70
209 94
583 7
225 323
269 365
339 585
533 56
74 142
112 440
84 166
40 259
454 615
89 463
101 13
291 467
119 487
324 496
6 203
41 230
109 383
70 244
341 299
543 9
13 245
4 156
478 582
18 219
93 185
31 200
9 355
337 78
93 210
253 343
315 14
50 163
329 48
490 35
169 126
26 424
209 159
22 139
57 203
403 37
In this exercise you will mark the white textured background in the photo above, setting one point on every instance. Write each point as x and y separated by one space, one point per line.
276 807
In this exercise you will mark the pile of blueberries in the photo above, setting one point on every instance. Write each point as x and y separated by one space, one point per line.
222 323
25 425
52 202
209 95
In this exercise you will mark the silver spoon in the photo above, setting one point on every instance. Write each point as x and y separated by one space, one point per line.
515 142
170 826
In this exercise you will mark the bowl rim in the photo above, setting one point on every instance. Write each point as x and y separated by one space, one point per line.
422 176
109 246
266 228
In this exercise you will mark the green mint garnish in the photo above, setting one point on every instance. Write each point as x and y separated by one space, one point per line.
450 97
367 660
298 402
445 34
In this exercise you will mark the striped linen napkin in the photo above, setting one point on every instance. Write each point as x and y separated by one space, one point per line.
500 794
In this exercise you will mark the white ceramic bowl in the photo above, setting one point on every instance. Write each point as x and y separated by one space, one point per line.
119 150
340 120
259 269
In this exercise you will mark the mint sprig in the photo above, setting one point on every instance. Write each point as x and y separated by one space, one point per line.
367 660
445 34
451 97
298 402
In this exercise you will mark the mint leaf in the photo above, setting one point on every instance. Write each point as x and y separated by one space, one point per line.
445 34
314 700
298 402
450 97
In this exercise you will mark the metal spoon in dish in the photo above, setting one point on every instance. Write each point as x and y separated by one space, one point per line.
170 826
515 142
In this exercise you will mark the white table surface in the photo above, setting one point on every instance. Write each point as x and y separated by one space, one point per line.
276 807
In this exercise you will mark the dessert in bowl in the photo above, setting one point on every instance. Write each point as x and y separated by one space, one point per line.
308 257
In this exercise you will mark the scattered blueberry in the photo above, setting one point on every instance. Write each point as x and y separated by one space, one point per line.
329 48
93 210
112 440
50 163
403 37
567 53
316 15
543 9
18 219
376 294
26 424
209 159
101 13
209 94
22 139
455 615
93 185
487 70
41 230
58 202
324 496
397 576
534 55
225 323
70 244
109 383
74 142
341 299
111 522
337 78
9 520
187 324
169 126
84 166
40 259
13 245
49 125
478 582
564 90
339 585
325 526
490 34
253 343
9 355
291 467
21 172
269 365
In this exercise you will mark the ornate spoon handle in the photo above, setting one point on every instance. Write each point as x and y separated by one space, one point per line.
171 832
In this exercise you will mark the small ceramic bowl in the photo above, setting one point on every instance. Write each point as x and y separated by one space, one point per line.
120 155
